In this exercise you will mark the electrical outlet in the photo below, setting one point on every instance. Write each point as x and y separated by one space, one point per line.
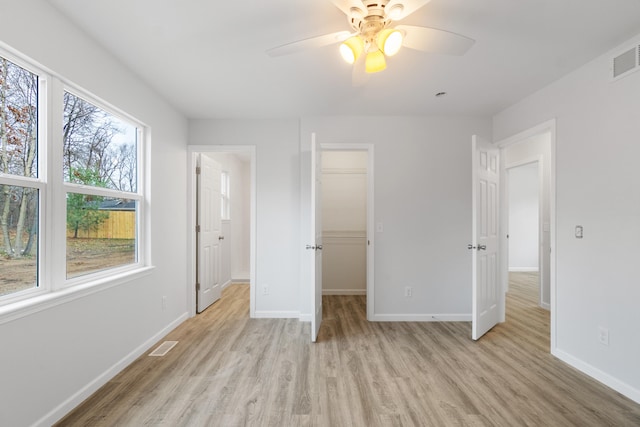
603 336
265 289
408 291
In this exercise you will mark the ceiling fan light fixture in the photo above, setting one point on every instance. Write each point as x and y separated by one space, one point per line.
390 41
351 49
375 62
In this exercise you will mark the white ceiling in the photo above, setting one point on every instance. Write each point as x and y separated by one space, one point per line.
208 57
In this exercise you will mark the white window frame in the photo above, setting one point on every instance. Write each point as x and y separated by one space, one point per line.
138 196
225 196
40 182
53 286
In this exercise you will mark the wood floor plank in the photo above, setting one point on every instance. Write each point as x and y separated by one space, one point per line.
230 370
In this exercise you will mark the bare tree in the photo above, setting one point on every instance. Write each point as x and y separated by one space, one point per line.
4 154
93 141
18 151
88 133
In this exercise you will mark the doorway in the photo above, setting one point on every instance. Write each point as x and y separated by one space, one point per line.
344 222
238 166
354 163
533 149
525 216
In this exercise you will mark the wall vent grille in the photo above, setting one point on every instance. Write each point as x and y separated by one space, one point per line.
626 62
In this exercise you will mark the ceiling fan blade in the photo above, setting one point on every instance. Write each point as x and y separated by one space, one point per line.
310 43
435 41
408 7
346 5
359 77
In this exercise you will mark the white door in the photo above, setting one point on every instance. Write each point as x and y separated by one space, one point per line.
314 248
486 305
208 236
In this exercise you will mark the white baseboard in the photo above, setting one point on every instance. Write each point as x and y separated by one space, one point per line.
241 277
408 317
603 377
344 292
524 269
276 315
77 398
226 284
546 306
421 318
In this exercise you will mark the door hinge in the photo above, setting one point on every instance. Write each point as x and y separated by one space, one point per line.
197 228
198 287
198 170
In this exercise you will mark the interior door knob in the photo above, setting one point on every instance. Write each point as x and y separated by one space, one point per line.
482 247
311 247
319 247
470 246
220 237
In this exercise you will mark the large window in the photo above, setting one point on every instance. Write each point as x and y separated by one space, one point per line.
19 184
100 165
75 189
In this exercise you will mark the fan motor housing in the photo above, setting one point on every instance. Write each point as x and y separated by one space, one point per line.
370 21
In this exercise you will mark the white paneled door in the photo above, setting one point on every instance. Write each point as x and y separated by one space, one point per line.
314 247
487 297
209 233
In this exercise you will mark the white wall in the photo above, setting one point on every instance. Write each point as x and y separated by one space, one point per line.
52 359
523 217
422 196
422 185
344 222
597 176
277 204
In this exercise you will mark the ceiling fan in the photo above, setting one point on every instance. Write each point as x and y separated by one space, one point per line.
376 37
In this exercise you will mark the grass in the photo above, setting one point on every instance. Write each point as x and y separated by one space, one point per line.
83 256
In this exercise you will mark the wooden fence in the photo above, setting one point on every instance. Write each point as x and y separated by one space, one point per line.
119 225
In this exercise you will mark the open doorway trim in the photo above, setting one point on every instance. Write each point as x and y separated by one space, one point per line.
546 127
370 216
192 152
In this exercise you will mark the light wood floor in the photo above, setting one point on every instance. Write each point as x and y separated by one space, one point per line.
229 370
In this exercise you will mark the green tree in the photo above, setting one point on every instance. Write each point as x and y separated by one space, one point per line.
83 210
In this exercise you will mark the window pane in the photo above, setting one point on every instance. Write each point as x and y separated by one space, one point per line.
224 192
18 120
99 148
101 233
18 238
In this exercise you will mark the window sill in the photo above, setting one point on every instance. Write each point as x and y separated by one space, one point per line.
28 306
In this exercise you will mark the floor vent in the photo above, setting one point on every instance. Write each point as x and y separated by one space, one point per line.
163 348
626 62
